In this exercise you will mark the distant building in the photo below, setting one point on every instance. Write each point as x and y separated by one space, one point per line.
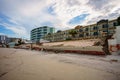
11 39
3 39
101 29
38 33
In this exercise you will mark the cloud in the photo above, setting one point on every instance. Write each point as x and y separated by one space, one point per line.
17 29
2 34
73 2
98 4
103 9
23 15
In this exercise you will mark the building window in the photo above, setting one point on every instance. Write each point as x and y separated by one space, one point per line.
87 34
95 33
45 26
86 29
45 29
104 25
80 30
45 32
114 24
95 28
105 30
81 35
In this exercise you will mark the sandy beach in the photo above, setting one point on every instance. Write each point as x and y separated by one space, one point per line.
20 64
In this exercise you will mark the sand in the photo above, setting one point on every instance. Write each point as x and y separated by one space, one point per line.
75 43
19 64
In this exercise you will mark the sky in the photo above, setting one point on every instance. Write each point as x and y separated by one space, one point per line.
19 17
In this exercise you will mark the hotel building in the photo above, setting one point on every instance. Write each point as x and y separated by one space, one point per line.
38 33
101 29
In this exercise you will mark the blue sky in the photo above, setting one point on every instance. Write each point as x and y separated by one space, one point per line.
78 19
19 17
3 30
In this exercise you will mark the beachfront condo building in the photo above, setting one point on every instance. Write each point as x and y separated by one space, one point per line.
38 33
100 29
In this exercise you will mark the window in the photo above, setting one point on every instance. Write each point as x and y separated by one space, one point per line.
87 34
95 28
80 30
104 25
105 30
45 26
86 29
95 33
81 35
114 24
44 32
45 29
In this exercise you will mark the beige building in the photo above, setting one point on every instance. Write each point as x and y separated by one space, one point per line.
101 29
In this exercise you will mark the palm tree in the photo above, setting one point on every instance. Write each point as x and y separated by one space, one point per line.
49 34
73 32
59 31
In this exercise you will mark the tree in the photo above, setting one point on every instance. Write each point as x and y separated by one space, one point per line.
73 32
20 42
49 33
102 21
59 31
118 20
68 38
78 27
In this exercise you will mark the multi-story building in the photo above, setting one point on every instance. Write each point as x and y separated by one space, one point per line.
38 33
99 30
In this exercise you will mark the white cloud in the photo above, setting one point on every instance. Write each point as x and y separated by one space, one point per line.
17 29
25 14
2 34
101 9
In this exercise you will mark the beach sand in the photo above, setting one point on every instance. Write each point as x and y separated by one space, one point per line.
19 64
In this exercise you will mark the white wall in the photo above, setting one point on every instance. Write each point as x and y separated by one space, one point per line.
118 34
114 42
